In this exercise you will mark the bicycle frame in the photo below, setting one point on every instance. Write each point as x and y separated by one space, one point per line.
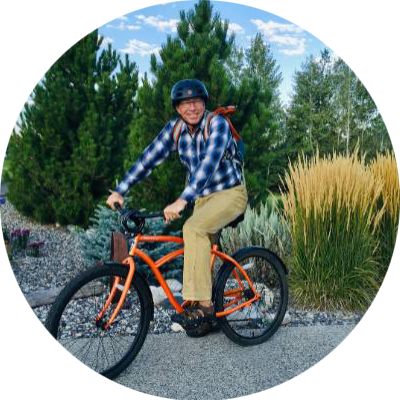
236 294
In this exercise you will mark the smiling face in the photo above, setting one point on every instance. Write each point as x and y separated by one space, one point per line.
191 110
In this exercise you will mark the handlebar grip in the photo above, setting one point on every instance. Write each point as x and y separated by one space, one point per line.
117 206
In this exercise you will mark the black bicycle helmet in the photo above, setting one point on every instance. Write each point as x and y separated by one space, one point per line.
187 89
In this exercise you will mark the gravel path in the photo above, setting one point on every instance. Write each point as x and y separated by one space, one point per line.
61 260
213 367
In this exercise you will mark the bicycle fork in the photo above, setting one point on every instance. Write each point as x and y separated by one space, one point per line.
116 286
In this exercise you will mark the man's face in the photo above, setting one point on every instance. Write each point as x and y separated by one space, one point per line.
191 110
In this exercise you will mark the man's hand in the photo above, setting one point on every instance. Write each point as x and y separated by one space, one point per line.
172 211
115 197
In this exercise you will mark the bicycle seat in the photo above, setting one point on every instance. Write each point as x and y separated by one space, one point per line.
235 222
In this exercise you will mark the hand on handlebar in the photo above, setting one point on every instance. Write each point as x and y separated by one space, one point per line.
173 211
114 198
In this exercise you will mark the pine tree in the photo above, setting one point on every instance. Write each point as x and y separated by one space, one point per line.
260 115
72 138
358 121
310 117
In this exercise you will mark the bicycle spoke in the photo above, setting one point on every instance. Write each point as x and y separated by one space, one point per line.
259 317
84 337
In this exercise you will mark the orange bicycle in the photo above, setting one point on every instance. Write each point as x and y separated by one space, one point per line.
103 315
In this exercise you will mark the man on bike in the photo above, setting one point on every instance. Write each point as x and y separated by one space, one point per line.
215 185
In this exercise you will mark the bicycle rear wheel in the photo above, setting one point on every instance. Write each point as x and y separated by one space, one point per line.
256 323
72 320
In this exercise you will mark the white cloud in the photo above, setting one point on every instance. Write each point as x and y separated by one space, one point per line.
122 26
294 52
270 28
284 35
135 46
133 27
159 22
173 5
235 28
106 41
123 18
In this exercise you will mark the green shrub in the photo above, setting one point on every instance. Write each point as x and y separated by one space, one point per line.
95 243
263 227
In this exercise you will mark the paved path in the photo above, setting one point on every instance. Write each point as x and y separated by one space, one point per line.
176 366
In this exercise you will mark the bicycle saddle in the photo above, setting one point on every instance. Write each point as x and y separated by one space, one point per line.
235 222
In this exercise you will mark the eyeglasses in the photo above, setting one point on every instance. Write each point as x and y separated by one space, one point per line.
186 103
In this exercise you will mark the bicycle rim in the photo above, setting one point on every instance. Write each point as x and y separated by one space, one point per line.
257 322
72 321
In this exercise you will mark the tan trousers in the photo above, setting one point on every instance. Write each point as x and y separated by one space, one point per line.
211 213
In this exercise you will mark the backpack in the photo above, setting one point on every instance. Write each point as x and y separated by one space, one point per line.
238 140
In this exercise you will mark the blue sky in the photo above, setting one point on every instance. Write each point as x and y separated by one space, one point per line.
142 32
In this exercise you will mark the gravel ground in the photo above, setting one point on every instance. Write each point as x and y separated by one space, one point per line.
61 260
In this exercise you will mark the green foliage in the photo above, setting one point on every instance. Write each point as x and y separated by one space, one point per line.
332 110
263 227
72 138
174 268
259 118
310 119
6 174
95 243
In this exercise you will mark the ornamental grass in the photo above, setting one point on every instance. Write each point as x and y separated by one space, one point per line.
384 167
332 207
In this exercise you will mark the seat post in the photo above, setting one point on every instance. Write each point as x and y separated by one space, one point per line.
217 239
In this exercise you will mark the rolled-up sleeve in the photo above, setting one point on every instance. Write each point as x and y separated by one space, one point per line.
216 146
153 155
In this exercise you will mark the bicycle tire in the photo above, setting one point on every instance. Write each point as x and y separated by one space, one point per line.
268 274
66 319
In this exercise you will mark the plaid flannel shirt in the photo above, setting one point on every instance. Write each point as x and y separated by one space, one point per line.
209 171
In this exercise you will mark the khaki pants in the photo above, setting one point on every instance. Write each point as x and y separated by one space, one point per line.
211 213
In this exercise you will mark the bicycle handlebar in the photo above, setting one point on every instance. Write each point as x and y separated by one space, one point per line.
136 217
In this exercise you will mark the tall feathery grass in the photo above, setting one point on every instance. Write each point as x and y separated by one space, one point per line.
385 168
331 204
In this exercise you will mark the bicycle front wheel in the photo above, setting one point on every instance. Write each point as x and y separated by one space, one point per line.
257 322
72 320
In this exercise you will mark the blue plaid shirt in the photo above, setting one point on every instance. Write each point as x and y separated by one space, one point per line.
209 171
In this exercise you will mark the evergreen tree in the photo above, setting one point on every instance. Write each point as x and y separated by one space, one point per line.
358 121
370 128
256 78
267 137
72 138
310 118
345 105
